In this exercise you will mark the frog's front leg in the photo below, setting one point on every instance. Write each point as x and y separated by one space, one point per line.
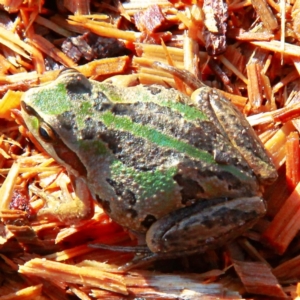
233 125
204 225
67 208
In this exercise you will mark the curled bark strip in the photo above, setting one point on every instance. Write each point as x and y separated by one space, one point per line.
216 15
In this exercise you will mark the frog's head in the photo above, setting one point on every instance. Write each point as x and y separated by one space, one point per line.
43 109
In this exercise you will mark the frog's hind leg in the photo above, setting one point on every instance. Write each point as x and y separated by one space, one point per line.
194 229
204 225
207 224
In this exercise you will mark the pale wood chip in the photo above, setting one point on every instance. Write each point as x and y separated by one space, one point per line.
174 286
10 101
265 13
254 36
72 274
275 145
276 46
255 92
258 278
8 185
29 293
289 269
48 48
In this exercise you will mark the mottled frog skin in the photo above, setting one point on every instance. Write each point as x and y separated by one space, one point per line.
186 172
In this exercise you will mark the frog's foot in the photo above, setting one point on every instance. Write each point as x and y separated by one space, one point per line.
187 77
65 206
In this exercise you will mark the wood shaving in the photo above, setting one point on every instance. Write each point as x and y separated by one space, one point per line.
248 50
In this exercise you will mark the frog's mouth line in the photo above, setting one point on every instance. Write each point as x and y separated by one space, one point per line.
52 143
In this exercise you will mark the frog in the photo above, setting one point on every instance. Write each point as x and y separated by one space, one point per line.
183 173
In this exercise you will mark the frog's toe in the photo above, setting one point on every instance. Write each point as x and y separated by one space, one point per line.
143 255
140 260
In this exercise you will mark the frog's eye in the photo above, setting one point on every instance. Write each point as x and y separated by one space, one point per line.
46 133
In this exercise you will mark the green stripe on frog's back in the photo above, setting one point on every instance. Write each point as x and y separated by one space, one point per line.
52 101
157 95
172 99
190 113
155 136
125 123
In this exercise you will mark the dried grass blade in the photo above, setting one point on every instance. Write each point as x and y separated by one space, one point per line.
191 55
13 47
267 88
51 25
35 169
63 23
15 42
77 292
296 62
232 68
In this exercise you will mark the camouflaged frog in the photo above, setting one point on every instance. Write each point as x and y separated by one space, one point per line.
184 172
